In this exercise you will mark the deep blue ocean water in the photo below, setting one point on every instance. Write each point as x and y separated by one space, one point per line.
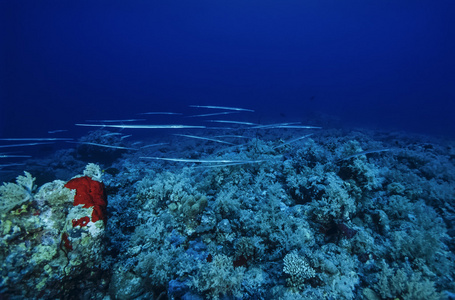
377 64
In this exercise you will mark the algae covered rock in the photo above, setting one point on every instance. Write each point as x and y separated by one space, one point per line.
52 242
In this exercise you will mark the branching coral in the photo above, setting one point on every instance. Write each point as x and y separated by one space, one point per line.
298 269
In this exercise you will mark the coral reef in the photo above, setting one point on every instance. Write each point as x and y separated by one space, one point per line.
47 251
338 215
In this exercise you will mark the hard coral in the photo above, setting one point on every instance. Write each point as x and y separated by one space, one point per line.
89 193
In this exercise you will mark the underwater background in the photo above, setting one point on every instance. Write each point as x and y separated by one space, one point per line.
227 150
381 64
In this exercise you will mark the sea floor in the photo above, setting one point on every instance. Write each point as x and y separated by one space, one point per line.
234 211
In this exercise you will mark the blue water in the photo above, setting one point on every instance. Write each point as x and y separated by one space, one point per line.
384 65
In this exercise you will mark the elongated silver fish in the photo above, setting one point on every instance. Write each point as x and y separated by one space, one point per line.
142 126
222 107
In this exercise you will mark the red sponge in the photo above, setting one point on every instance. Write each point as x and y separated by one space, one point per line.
90 193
